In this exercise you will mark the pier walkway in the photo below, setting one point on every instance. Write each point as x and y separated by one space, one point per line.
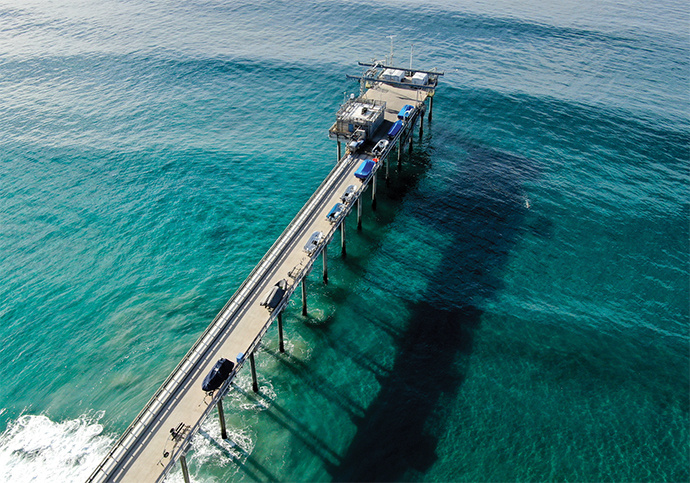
160 435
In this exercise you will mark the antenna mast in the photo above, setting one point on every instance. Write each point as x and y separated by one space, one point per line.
390 62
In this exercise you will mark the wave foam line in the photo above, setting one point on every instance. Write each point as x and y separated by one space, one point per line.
35 449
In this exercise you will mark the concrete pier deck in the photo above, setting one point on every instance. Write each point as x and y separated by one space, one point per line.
147 450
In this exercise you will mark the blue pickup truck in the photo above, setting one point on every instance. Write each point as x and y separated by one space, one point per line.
395 129
406 112
365 169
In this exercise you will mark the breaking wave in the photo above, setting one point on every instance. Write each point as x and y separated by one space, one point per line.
34 448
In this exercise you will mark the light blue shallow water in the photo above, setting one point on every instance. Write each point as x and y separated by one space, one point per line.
515 309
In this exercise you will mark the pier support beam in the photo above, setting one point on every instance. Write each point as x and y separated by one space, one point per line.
280 331
185 469
431 107
387 179
324 255
421 126
399 151
304 296
359 213
255 382
342 237
339 155
373 192
221 416
411 128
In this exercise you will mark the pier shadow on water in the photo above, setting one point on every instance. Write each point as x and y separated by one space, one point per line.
481 208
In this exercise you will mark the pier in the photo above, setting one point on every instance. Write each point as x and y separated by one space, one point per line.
161 433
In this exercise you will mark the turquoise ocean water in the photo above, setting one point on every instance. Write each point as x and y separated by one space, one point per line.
516 309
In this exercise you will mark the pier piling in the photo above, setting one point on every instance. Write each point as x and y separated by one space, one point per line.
304 296
342 238
339 155
324 255
359 213
373 192
221 416
431 106
255 382
387 179
280 331
185 469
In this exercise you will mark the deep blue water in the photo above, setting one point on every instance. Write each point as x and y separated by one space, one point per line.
516 308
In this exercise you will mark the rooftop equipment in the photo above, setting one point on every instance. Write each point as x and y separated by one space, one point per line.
359 113
420 79
394 75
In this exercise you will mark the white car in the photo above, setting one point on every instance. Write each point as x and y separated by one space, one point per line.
314 241
380 147
349 194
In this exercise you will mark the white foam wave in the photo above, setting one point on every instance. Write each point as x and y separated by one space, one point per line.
240 399
35 449
209 452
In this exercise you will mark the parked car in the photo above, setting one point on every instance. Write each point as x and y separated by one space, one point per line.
217 375
380 147
406 112
365 169
335 213
314 240
275 296
349 194
395 129
356 141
